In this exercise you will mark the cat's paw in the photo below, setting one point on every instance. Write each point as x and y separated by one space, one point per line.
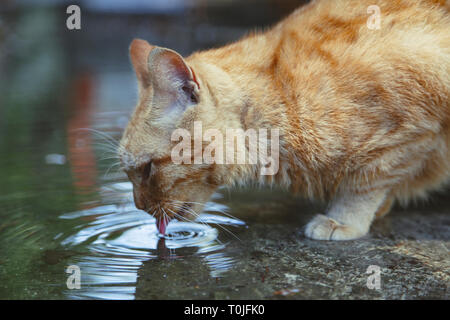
322 227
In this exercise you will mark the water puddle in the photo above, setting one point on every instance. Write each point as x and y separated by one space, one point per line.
119 239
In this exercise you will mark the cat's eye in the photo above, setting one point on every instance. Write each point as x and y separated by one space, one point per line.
194 98
191 93
146 171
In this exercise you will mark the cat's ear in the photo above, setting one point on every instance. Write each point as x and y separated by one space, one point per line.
139 53
171 74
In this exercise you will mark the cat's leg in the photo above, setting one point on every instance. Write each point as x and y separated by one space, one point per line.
385 207
349 216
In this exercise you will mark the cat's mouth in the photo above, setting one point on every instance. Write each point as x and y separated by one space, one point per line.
179 212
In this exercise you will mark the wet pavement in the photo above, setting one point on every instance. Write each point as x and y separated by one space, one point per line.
276 261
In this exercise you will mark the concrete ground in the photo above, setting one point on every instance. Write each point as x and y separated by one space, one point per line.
274 260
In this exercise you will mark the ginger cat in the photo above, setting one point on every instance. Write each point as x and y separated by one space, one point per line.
363 113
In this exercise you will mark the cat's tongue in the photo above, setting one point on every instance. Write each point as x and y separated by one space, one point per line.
161 224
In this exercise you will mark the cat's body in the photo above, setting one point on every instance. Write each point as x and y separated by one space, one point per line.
363 113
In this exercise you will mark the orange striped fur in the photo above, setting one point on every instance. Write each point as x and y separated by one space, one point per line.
363 113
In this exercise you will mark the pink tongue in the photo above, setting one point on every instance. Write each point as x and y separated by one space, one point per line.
161 224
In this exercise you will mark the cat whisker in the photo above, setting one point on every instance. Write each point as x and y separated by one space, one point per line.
196 215
183 209
202 204
118 165
107 137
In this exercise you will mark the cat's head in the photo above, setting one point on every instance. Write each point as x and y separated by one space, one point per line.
173 94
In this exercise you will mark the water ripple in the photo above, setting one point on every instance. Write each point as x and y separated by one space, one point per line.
119 239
